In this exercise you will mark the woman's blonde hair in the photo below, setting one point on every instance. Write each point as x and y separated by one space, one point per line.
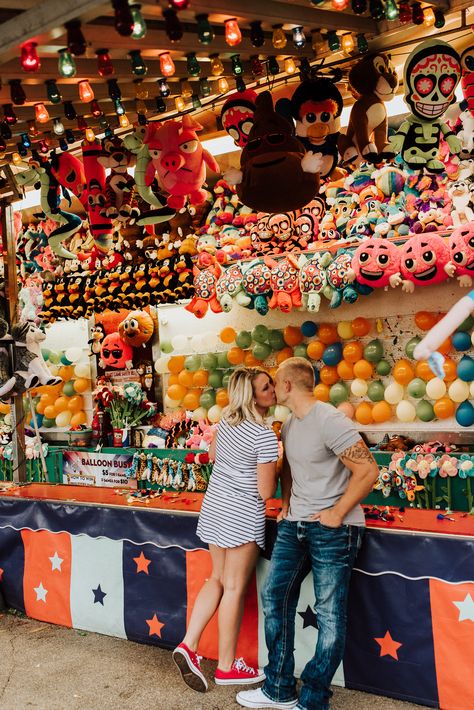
241 396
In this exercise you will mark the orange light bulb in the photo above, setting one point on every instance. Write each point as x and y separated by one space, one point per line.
85 91
167 66
233 35
41 113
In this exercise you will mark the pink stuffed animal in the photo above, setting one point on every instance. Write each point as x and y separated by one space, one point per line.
461 243
376 263
179 160
424 261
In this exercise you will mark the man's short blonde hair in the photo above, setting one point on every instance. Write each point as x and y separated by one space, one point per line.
299 372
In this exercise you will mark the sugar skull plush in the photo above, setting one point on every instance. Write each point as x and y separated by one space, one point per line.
136 329
424 261
237 116
179 160
376 263
461 244
431 74
115 353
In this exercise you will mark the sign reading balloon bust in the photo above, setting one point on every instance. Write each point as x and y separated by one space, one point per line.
83 468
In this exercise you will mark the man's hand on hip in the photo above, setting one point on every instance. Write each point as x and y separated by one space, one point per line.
282 514
328 517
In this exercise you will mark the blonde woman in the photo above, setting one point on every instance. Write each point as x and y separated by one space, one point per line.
232 522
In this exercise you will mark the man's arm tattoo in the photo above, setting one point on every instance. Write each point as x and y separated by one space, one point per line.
358 453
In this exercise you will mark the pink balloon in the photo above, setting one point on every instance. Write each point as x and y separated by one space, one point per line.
347 409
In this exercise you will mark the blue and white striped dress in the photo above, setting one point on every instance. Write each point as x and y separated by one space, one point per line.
233 513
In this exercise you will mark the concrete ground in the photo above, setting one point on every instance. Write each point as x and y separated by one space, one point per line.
45 667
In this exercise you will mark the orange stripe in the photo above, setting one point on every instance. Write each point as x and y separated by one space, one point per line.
453 645
39 547
198 569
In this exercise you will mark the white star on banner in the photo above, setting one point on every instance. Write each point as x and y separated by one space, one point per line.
466 609
56 562
41 593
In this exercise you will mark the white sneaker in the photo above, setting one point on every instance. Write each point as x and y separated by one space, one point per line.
257 699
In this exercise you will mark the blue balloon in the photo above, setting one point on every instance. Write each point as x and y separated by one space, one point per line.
466 368
465 414
65 360
309 328
461 340
332 354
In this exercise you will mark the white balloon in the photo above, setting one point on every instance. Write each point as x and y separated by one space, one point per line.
7 419
458 391
179 342
405 411
197 344
281 413
83 369
214 413
212 341
73 354
471 389
359 387
435 388
54 369
161 365
394 393
63 418
171 403
199 413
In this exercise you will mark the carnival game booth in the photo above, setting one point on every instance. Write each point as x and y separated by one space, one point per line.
337 227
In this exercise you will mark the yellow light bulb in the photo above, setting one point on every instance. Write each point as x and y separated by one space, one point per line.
180 103
123 121
90 135
279 37
223 85
186 90
141 107
16 158
141 92
290 66
428 17
217 68
347 43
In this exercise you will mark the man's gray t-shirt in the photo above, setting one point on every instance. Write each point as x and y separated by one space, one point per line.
312 446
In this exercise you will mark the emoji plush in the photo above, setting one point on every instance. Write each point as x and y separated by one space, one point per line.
376 263
115 353
136 329
424 261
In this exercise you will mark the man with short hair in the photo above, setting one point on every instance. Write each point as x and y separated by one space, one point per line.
327 470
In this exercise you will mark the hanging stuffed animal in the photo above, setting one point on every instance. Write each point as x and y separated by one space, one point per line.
375 81
137 328
119 185
431 74
425 260
115 353
31 369
237 115
179 160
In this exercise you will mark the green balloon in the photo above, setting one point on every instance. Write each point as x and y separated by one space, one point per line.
411 345
261 351
48 423
45 352
68 389
243 339
417 388
215 379
207 399
276 340
225 379
166 347
373 351
301 350
54 358
192 363
467 324
209 361
376 391
338 393
383 368
425 411
260 334
222 360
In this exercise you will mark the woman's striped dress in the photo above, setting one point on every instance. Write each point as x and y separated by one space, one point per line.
233 513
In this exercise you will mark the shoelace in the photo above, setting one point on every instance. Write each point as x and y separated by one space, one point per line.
241 666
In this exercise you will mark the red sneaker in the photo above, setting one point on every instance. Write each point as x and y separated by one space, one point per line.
239 674
188 665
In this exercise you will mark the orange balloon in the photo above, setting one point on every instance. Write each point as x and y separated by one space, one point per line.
250 360
272 371
222 398
66 372
62 403
328 375
40 407
47 389
292 335
81 385
235 356
403 372
46 399
345 370
327 333
321 392
445 346
352 351
185 378
450 369
5 408
315 350
200 378
444 408
363 413
283 355
176 392
363 369
78 418
360 327
425 320
191 399
381 412
176 364
423 370
75 404
227 335
50 411
174 379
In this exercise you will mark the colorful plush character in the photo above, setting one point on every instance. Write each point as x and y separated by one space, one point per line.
343 207
31 369
179 160
97 333
374 79
461 193
272 177
284 283
341 279
424 261
313 280
237 115
467 78
137 328
316 106
305 230
229 287
376 263
115 353
256 285
94 194
205 282
431 74
461 244
119 185
466 134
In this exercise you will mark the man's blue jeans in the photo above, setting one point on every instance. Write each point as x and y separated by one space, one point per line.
330 554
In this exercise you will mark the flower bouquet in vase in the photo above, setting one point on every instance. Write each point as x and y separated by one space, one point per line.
127 406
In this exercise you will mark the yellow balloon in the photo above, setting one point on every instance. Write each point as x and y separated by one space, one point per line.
345 330
61 403
81 385
78 418
75 404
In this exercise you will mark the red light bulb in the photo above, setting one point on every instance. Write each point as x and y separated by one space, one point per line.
29 57
166 64
179 4
85 91
104 62
233 35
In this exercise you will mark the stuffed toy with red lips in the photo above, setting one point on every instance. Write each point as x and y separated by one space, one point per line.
115 353
237 115
376 263
274 176
425 260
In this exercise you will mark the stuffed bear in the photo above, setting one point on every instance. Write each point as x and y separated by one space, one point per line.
119 185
